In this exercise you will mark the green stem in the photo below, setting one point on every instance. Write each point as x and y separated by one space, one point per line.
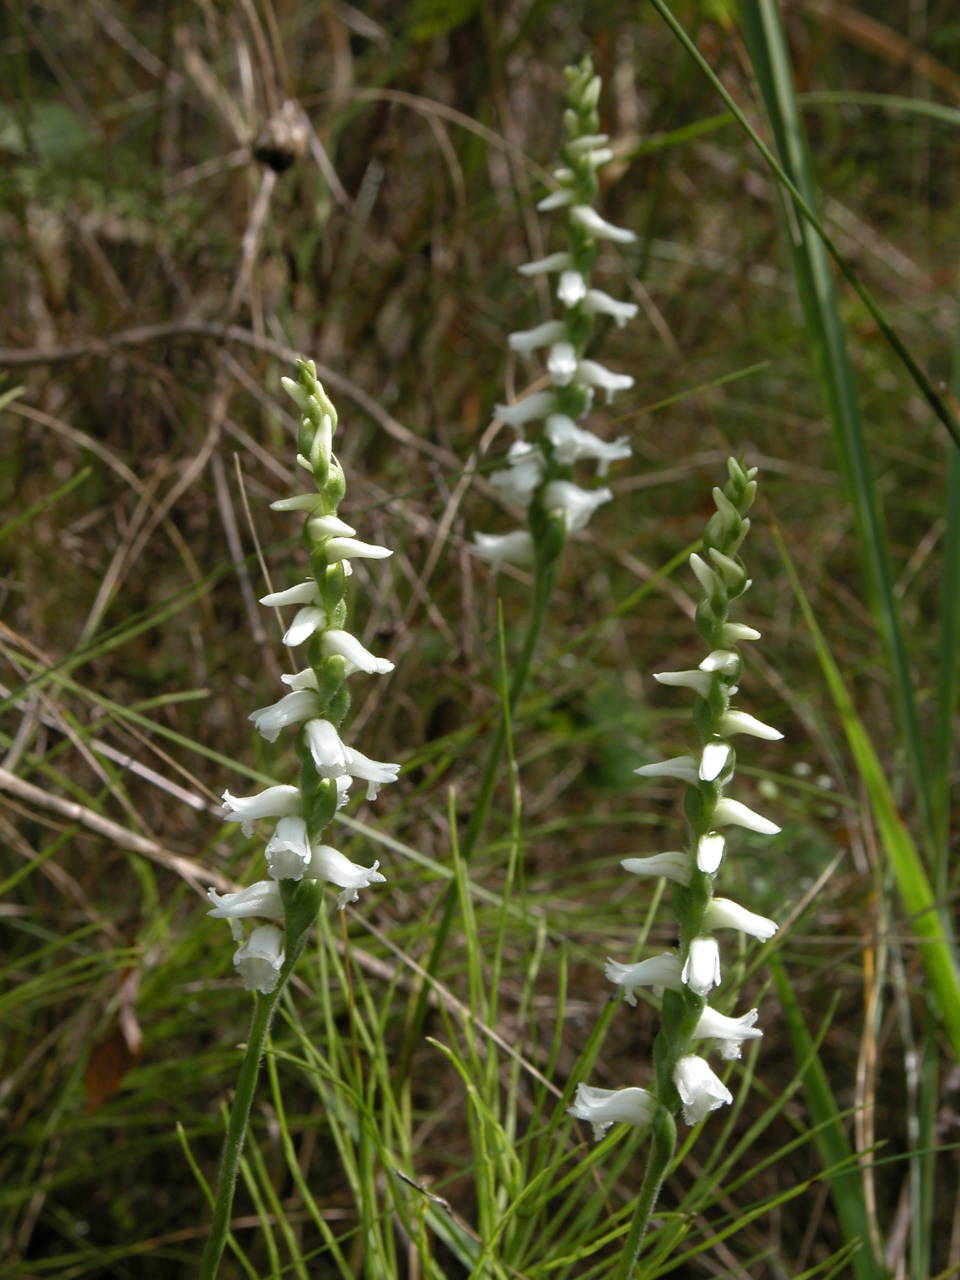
542 591
663 1142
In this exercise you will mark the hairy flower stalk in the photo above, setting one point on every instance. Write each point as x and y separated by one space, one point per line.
683 1079
271 919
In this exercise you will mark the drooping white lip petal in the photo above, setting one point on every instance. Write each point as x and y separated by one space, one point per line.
571 443
305 679
517 482
562 363
710 850
723 660
741 722
260 959
699 681
374 772
701 969
714 760
576 505
288 852
597 375
274 802
672 866
733 813
596 302
507 548
541 336
700 1090
731 1032
260 899
682 767
604 1107
306 621
552 262
353 549
572 288
517 415
591 221
658 971
349 647
724 913
330 864
302 593
291 709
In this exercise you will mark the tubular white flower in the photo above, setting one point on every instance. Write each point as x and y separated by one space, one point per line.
586 142
352 549
504 548
326 748
517 415
710 850
358 658
673 866
327 863
288 852
375 773
331 527
596 375
731 1032
723 913
658 971
517 482
260 959
704 574
557 200
723 660
734 632
604 1107
699 681
552 262
713 761
529 339
682 767
741 722
302 593
591 221
306 621
298 502
305 679
572 288
576 505
733 813
700 1090
701 969
598 303
291 709
275 802
562 363
261 899
571 443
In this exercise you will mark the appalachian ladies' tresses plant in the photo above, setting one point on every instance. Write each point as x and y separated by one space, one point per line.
538 476
683 1079
271 919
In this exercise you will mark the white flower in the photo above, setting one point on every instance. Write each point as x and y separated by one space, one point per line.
733 813
596 302
672 866
342 643
302 593
331 527
291 709
373 772
596 375
562 363
658 971
327 863
326 748
352 549
700 1090
723 913
591 221
529 339
740 722
704 574
552 262
517 482
710 849
260 959
734 632
586 142
713 761
504 548
604 1107
571 443
572 288
298 502
723 660
682 767
516 415
260 899
288 853
699 681
275 802
731 1032
557 199
305 622
305 679
701 969
576 505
